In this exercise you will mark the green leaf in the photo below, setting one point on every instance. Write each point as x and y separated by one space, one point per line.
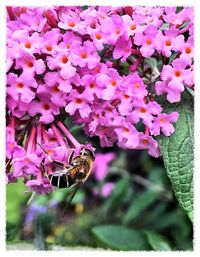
138 206
184 24
157 241
164 26
117 195
172 57
120 238
178 152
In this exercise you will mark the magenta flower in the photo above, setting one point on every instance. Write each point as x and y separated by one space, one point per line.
21 87
147 40
93 67
163 123
101 164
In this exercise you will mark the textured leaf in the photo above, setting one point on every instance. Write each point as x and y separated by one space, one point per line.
157 242
120 238
142 202
178 152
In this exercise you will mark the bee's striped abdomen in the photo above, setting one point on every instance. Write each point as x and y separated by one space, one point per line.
61 179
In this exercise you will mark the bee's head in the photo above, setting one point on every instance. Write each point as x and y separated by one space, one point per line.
88 153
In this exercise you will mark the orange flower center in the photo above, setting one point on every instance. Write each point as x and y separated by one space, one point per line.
20 85
177 73
53 139
148 41
137 85
188 50
68 46
117 31
98 36
126 96
162 119
145 141
71 24
126 130
28 45
46 106
168 43
49 151
29 64
143 110
49 48
132 27
56 89
64 59
83 55
79 101
92 85
26 160
97 69
113 83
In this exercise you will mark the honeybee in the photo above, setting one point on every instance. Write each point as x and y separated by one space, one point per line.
74 173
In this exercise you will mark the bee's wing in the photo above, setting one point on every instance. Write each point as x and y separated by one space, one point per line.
70 199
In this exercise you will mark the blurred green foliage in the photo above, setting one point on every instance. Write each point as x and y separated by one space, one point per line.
141 213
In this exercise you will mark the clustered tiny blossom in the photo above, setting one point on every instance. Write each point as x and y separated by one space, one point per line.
72 62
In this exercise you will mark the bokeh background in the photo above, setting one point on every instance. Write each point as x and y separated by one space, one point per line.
126 204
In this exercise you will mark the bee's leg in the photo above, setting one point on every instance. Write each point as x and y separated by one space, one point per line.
43 169
52 161
71 157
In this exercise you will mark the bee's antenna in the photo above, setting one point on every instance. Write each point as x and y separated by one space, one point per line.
42 148
70 200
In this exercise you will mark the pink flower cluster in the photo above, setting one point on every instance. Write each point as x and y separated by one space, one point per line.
72 61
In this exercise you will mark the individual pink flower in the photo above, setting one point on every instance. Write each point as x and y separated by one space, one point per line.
63 63
164 123
71 21
101 164
107 189
45 108
21 87
79 102
127 136
111 82
147 142
85 55
30 65
147 40
122 49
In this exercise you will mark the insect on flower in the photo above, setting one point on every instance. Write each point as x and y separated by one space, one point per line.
74 173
